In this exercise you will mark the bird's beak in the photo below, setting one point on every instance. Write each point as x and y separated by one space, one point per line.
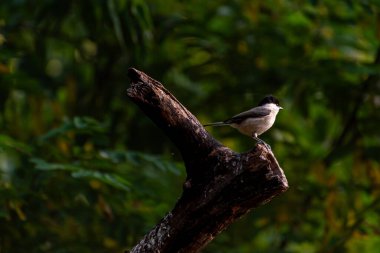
280 107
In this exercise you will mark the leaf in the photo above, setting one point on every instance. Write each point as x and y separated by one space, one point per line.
66 126
8 142
78 124
298 19
116 24
140 159
110 179
88 124
43 165
79 172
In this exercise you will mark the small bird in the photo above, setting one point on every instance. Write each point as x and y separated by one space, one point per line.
255 121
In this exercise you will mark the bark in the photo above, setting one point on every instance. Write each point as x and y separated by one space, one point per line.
221 185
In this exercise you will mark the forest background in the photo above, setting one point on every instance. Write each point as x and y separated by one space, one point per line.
82 169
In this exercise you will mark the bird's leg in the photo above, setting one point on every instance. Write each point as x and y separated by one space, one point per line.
254 136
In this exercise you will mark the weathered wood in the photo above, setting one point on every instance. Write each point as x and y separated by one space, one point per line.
221 185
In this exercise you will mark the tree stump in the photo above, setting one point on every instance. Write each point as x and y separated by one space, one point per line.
221 185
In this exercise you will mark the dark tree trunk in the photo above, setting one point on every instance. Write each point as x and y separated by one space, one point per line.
221 185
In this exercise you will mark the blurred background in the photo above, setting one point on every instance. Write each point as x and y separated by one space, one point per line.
82 169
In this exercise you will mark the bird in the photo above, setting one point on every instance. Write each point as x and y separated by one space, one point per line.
255 121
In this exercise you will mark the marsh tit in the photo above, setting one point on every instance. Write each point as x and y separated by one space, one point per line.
255 121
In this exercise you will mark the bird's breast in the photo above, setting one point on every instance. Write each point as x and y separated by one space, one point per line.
251 126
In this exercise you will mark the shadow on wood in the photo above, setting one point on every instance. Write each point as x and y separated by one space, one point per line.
221 185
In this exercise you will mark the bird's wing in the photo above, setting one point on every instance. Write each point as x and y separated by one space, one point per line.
252 113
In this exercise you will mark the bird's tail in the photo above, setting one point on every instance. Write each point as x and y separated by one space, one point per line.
216 124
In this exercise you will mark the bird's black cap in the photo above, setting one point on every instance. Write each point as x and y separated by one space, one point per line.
269 99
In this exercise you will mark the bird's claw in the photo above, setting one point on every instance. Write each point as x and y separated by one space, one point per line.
260 141
265 144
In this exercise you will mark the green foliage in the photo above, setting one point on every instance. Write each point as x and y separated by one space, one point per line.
87 199
83 170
